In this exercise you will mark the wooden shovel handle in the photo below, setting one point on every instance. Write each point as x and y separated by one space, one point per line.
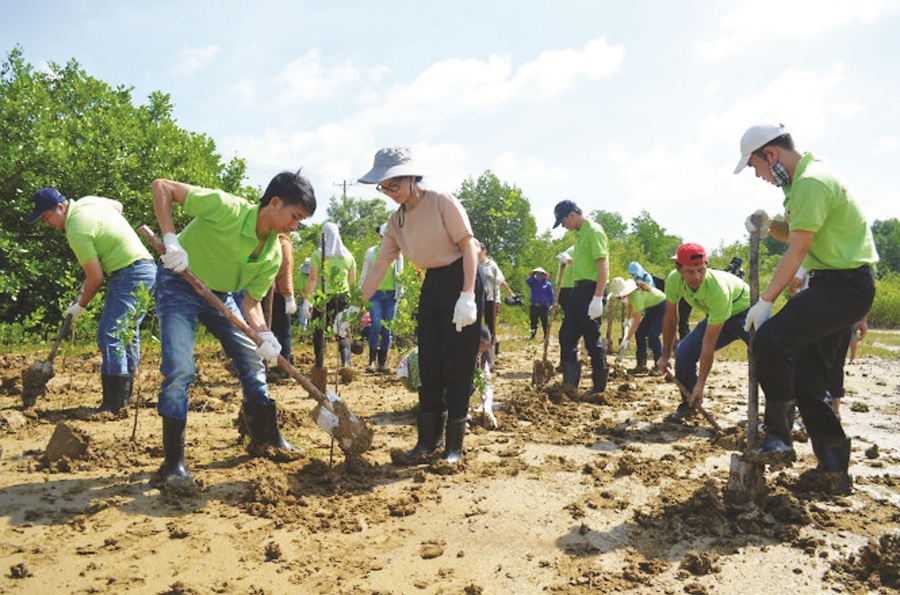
686 396
63 331
201 288
554 307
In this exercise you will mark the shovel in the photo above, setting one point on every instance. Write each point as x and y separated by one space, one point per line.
746 481
35 378
686 397
543 370
331 414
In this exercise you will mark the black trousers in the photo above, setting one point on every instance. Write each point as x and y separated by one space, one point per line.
795 350
490 318
539 312
578 324
446 357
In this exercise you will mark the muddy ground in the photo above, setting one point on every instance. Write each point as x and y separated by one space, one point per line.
566 496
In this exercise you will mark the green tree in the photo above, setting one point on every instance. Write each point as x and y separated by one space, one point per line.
357 220
501 218
613 224
655 244
887 242
63 128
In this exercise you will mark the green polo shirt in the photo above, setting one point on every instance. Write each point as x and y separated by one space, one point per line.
816 200
720 296
389 281
96 230
590 244
641 300
337 272
221 239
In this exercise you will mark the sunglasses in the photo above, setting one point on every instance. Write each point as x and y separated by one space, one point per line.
388 188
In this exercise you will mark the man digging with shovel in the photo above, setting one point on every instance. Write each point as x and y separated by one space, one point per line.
106 247
232 245
828 234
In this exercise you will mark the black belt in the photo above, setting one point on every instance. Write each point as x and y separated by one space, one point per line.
843 274
585 283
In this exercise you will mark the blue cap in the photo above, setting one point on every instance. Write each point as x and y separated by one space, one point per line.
562 209
635 269
44 200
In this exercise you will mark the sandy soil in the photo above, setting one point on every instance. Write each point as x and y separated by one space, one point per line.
567 496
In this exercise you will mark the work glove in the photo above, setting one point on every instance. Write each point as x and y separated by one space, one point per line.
764 223
595 308
290 305
175 257
465 312
307 309
760 312
563 258
623 347
74 310
626 328
269 349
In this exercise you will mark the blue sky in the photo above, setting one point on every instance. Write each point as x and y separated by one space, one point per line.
617 105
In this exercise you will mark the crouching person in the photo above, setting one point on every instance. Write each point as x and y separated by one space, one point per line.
230 245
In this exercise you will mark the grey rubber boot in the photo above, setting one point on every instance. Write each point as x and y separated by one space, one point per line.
571 372
453 451
262 426
116 392
776 447
599 377
833 454
173 472
430 427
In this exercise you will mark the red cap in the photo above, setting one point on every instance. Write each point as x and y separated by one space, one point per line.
690 255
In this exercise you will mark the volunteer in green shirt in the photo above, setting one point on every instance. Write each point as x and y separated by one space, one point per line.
106 247
585 305
382 304
646 310
724 299
334 280
827 233
231 245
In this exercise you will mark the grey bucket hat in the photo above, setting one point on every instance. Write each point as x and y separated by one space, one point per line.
391 162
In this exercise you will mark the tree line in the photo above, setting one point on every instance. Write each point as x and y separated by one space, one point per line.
62 127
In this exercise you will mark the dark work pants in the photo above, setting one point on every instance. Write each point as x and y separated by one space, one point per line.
795 350
563 299
836 383
490 318
647 334
578 324
684 318
446 357
539 312
281 326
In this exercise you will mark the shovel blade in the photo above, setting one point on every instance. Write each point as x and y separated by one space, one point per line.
746 482
333 416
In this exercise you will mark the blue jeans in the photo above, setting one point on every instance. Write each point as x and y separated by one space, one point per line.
688 352
178 308
647 334
120 301
382 307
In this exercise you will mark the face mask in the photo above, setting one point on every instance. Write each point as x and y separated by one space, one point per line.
780 174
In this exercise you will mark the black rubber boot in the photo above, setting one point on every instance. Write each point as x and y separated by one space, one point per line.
262 426
373 355
833 454
382 360
173 472
116 392
680 414
599 377
453 451
497 348
430 427
776 448
571 372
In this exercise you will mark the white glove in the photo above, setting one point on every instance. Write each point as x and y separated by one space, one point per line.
623 347
175 257
626 328
269 349
290 305
760 312
563 258
465 312
595 308
764 222
74 310
307 309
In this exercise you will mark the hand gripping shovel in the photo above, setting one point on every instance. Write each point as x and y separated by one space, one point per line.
35 378
746 481
543 370
331 414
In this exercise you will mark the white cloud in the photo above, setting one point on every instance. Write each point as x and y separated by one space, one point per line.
886 146
192 60
769 21
307 79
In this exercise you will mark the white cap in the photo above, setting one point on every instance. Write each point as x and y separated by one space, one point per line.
619 287
756 137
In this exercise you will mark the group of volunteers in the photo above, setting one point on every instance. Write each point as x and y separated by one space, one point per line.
236 247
